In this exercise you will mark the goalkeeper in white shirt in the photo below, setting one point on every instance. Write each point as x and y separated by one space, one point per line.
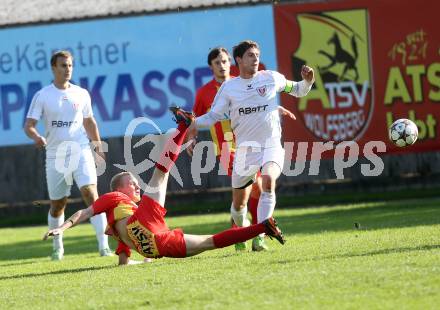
250 101
69 124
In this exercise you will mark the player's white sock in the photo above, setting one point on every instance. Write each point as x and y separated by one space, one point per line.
99 222
55 222
239 217
266 205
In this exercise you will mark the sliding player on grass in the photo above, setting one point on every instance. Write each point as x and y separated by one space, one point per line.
143 227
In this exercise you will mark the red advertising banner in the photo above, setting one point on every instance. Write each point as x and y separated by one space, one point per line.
375 62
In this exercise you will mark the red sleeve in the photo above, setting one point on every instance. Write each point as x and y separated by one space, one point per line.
123 248
234 70
199 107
106 202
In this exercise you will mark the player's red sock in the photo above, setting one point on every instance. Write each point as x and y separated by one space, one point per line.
172 148
252 207
238 234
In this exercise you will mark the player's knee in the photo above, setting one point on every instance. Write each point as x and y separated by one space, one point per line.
268 183
57 207
56 212
267 188
208 243
240 205
256 191
239 199
89 194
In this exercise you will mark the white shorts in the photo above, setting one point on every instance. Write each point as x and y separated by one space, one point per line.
62 170
249 160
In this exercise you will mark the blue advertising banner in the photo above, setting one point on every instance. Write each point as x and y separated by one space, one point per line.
132 66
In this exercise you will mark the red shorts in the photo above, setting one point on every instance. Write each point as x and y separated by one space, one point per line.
171 243
148 218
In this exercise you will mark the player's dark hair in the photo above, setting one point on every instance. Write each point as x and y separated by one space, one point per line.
58 54
116 180
215 52
242 47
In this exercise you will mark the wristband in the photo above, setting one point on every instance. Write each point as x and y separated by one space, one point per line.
289 87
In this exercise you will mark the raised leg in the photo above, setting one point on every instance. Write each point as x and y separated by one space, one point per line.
159 180
158 186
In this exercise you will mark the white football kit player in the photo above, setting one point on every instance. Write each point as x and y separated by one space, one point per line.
68 154
252 106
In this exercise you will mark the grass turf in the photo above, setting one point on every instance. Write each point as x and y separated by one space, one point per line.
391 261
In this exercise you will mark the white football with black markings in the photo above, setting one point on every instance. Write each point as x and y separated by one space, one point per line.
403 132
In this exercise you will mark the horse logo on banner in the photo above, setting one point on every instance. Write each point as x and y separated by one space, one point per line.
339 107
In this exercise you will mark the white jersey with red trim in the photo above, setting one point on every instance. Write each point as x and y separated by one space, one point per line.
63 111
252 106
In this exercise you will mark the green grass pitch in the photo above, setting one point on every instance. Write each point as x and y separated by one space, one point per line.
392 261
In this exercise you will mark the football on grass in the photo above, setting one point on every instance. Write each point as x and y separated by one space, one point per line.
403 132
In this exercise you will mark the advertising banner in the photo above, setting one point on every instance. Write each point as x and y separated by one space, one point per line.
375 62
132 66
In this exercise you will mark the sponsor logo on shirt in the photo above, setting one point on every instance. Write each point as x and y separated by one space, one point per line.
143 239
249 110
61 124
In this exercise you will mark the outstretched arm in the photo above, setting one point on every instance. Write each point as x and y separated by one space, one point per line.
208 119
76 218
302 88
219 110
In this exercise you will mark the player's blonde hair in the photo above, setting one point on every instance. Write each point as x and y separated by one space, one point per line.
116 180
58 54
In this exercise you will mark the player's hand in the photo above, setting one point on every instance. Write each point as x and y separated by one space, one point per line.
100 156
190 148
51 233
40 141
191 136
97 147
137 262
308 74
284 112
134 262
